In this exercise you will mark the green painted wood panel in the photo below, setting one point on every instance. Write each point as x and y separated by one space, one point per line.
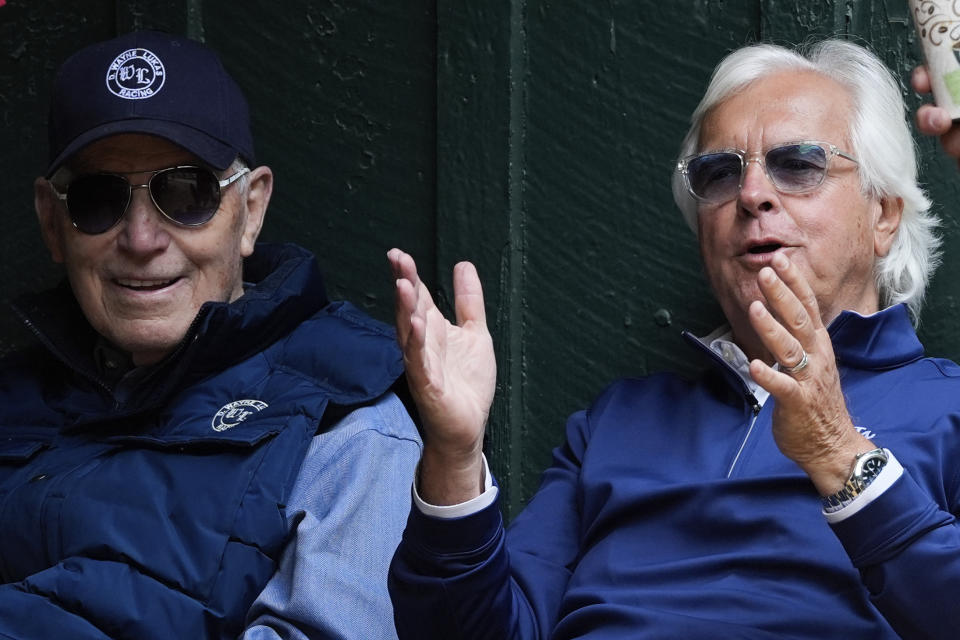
344 105
480 204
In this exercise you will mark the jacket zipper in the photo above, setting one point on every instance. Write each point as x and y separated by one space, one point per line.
63 358
189 337
736 380
755 411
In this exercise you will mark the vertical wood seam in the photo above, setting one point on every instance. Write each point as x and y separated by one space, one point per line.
195 20
516 408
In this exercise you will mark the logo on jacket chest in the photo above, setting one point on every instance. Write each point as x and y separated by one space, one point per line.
866 433
232 414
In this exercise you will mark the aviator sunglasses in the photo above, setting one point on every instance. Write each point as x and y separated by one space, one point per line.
187 196
795 167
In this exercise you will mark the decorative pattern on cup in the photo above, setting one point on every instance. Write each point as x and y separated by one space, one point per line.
938 25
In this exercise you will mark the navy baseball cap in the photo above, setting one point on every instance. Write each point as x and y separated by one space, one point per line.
154 83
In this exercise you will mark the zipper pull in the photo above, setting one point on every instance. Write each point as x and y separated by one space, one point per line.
752 401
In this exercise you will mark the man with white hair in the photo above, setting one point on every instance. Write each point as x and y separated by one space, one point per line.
803 487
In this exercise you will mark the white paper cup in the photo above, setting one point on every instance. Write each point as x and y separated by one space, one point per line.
938 27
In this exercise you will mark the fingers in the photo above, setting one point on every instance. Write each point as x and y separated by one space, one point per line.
405 296
933 121
783 346
778 384
787 324
785 286
920 79
468 295
403 266
950 141
411 298
417 316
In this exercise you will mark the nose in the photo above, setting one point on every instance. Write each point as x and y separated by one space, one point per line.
142 231
757 193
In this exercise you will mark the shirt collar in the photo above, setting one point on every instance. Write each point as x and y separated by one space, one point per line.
720 341
881 340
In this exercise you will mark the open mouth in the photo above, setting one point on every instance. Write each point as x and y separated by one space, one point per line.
145 285
764 248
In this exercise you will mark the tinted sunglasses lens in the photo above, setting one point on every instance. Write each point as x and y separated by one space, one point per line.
188 195
797 167
715 177
96 202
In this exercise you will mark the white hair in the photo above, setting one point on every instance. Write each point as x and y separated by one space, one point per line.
880 138
243 182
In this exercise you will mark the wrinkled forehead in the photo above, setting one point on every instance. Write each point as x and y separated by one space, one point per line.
785 106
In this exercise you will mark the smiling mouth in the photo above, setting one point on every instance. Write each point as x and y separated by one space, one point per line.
145 285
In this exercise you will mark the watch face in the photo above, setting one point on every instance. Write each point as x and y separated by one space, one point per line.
873 466
870 467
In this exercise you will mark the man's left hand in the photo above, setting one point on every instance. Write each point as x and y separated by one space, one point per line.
811 424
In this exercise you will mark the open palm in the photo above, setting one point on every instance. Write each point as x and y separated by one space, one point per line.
451 368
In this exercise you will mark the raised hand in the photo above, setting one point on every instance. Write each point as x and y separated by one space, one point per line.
811 424
452 372
932 120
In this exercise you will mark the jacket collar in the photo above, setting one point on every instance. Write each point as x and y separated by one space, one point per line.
882 340
286 289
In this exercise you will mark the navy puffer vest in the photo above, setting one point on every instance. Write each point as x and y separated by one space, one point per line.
154 508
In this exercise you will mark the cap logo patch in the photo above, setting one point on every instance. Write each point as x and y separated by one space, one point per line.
233 413
135 74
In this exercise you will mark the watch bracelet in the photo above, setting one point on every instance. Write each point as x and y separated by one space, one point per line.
856 483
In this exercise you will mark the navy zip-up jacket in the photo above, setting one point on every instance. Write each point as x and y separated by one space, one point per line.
154 507
671 513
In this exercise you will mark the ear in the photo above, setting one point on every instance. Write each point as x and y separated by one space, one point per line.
50 214
259 189
885 228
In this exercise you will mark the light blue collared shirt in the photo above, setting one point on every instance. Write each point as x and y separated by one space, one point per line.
346 514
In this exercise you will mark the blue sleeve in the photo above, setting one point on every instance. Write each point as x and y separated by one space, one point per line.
346 514
468 578
907 550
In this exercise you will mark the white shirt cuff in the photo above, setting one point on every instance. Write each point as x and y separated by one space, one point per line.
890 473
467 508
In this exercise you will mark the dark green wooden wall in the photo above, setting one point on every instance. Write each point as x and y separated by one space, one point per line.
535 138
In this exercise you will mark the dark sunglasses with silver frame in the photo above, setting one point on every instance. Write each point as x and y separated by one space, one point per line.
187 195
716 176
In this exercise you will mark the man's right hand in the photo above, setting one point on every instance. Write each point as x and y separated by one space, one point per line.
452 373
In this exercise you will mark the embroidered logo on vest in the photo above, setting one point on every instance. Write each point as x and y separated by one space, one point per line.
232 414
135 74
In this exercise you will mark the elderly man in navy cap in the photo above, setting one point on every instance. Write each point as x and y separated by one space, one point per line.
200 445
